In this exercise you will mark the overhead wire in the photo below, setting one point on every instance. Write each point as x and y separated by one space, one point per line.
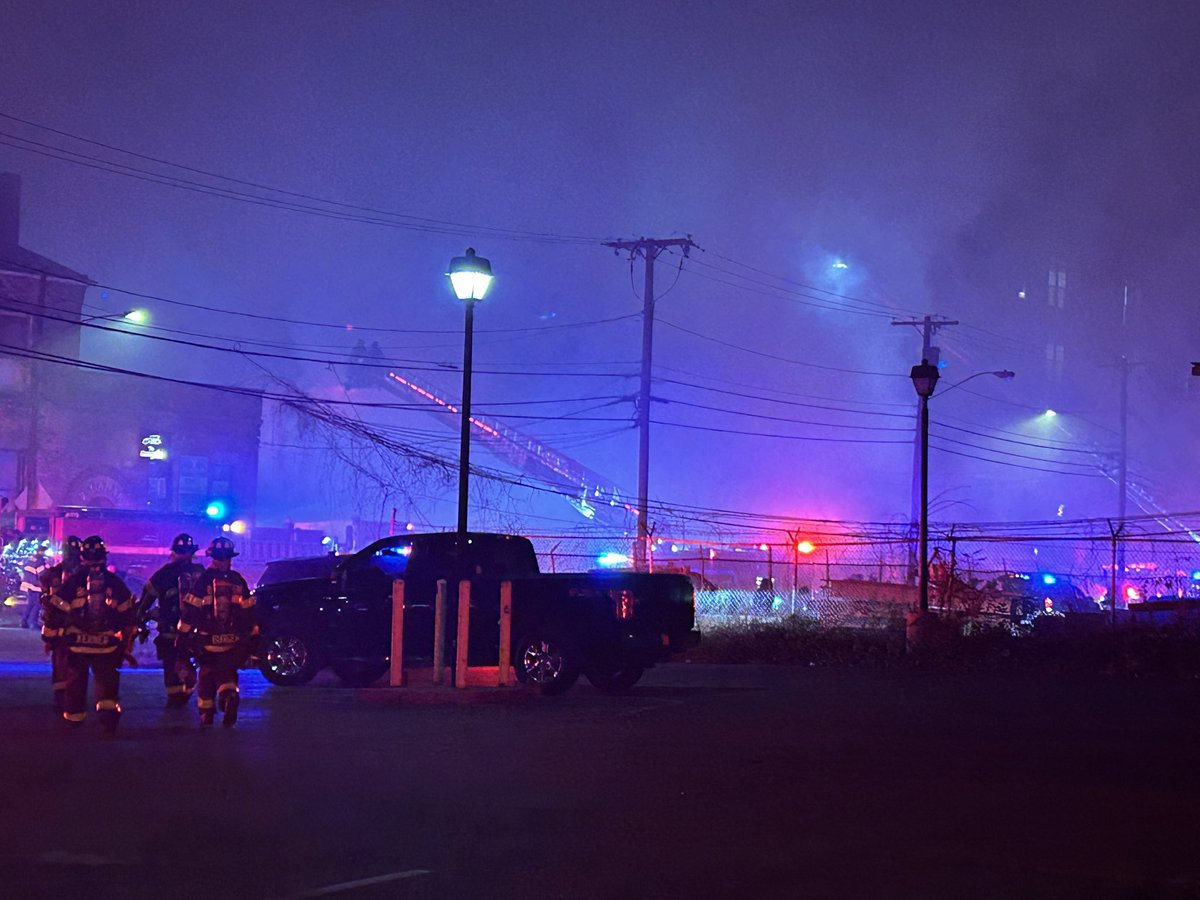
777 358
354 212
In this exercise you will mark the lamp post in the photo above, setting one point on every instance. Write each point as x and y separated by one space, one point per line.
470 277
925 378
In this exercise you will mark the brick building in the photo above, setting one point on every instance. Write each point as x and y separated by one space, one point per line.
73 437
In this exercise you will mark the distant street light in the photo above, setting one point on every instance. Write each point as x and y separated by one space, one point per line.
470 277
132 316
925 378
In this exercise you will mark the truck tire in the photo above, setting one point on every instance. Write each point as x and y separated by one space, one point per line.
289 658
546 662
359 674
615 681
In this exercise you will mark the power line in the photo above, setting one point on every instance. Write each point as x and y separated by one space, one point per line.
773 390
765 355
808 287
1016 465
752 415
413 365
829 303
790 297
403 220
788 437
765 399
209 308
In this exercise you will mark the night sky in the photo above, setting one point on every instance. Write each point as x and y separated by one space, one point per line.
838 165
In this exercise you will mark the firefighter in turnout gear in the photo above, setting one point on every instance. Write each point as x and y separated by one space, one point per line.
54 620
31 584
218 624
167 587
99 616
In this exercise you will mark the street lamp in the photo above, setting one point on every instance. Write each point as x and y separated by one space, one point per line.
470 277
925 378
132 316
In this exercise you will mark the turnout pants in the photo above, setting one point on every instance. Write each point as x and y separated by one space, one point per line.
218 674
106 676
58 668
179 677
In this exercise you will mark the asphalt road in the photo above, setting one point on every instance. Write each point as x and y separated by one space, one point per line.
707 781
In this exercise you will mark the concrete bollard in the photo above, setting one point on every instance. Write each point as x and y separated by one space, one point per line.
464 632
439 633
396 662
505 633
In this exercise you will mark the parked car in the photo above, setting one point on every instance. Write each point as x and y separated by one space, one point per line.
337 611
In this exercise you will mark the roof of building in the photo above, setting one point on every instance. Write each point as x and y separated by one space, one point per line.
18 259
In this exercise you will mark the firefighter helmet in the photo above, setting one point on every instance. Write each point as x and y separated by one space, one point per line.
184 544
71 548
92 550
221 548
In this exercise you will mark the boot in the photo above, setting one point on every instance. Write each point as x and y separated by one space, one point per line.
206 718
229 707
109 719
177 700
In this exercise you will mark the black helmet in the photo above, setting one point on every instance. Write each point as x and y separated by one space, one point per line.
92 550
184 544
71 547
221 548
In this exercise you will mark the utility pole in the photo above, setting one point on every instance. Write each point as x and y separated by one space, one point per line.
648 249
1125 367
929 326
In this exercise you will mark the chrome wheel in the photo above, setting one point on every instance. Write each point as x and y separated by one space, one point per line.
547 663
543 662
287 657
289 660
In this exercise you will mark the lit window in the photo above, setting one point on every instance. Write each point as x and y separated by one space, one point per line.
1057 288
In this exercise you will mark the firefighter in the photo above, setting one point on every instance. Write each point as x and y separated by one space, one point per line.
54 623
99 617
31 584
166 587
218 624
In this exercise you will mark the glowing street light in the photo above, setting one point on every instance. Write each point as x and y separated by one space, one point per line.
1050 414
133 316
470 277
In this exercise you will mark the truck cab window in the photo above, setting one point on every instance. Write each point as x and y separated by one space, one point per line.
391 561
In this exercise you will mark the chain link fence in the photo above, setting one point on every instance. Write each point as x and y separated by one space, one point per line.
863 576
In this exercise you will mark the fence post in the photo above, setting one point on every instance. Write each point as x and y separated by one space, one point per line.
505 633
1115 532
795 539
396 662
439 633
953 564
464 631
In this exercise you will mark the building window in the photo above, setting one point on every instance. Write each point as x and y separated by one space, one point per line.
1056 294
1054 360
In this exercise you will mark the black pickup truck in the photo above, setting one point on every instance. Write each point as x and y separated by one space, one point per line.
337 611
